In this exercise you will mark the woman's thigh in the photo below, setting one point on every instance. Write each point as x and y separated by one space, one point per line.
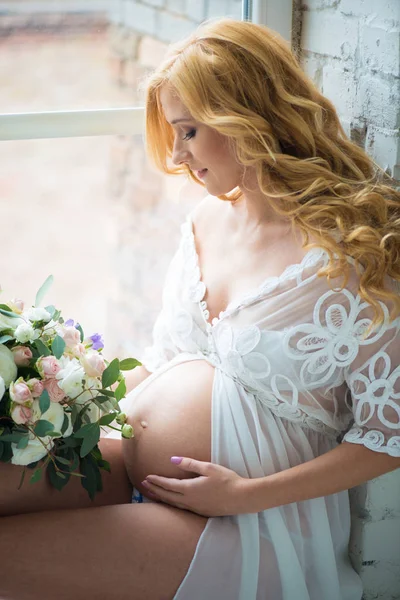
128 551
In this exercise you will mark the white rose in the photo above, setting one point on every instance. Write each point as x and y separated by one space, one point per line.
54 414
25 333
8 368
33 452
70 427
2 387
70 378
37 314
91 382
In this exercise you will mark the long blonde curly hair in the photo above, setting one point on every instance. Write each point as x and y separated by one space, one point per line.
241 79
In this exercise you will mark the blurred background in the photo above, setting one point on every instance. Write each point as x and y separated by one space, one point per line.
90 210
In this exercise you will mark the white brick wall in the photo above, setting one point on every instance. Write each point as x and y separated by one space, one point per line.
351 49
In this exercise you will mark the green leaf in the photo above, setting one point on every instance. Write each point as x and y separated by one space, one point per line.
107 419
51 310
54 434
12 437
129 363
5 338
1 449
42 348
65 424
89 482
54 477
36 476
5 307
91 435
58 346
23 442
43 427
109 393
9 313
63 460
79 328
43 290
110 374
44 401
120 391
6 452
103 464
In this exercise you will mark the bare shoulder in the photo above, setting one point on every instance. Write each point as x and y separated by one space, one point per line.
208 209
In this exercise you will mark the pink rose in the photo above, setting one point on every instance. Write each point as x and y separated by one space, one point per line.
79 350
71 336
36 387
48 366
20 392
93 364
21 414
22 355
56 393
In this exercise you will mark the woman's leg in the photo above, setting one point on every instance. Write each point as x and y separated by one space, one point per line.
40 496
126 552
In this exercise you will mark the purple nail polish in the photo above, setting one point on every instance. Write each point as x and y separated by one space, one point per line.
176 460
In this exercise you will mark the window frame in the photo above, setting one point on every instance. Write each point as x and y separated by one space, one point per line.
276 14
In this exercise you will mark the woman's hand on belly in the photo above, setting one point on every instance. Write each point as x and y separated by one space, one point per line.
215 492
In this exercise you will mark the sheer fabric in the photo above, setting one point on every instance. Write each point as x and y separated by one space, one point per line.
296 369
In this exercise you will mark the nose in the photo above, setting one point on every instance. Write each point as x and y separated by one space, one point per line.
179 153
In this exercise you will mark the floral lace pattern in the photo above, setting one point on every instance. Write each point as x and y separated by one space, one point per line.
294 362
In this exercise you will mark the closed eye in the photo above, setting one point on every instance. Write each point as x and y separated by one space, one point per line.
189 135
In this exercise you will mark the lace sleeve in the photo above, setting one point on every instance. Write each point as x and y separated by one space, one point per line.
373 379
163 349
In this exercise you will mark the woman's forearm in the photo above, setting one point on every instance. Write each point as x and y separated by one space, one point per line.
342 468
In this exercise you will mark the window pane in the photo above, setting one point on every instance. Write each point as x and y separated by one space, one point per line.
91 212
83 54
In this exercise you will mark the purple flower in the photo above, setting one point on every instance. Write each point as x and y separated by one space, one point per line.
97 341
69 323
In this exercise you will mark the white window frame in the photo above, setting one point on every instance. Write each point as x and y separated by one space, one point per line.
276 14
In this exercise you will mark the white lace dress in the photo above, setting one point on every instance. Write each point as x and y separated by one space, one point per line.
293 369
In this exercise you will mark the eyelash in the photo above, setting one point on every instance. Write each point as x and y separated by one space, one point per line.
189 135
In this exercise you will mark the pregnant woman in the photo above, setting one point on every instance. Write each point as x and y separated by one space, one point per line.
274 370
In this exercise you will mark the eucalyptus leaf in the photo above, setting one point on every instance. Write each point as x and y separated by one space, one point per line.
65 424
43 427
51 310
9 313
79 328
44 401
55 480
127 364
90 440
63 460
5 338
23 442
58 346
43 290
36 476
42 348
107 419
109 393
12 437
110 374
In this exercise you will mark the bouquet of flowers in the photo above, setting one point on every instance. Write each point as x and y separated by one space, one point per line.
56 393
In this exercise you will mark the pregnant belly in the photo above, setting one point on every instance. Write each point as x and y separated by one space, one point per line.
170 417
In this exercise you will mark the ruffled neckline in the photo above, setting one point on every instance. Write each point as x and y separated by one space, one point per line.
197 288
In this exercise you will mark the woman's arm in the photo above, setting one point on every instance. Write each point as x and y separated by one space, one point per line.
340 469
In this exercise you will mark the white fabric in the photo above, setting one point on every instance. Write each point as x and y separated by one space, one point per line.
294 368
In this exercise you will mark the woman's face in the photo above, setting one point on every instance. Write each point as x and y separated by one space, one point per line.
202 148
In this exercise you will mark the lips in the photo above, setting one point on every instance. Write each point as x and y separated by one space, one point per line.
201 173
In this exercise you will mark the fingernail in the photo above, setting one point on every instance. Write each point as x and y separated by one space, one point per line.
176 459
145 483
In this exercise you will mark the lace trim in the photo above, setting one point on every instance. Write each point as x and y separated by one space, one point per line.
197 288
374 440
